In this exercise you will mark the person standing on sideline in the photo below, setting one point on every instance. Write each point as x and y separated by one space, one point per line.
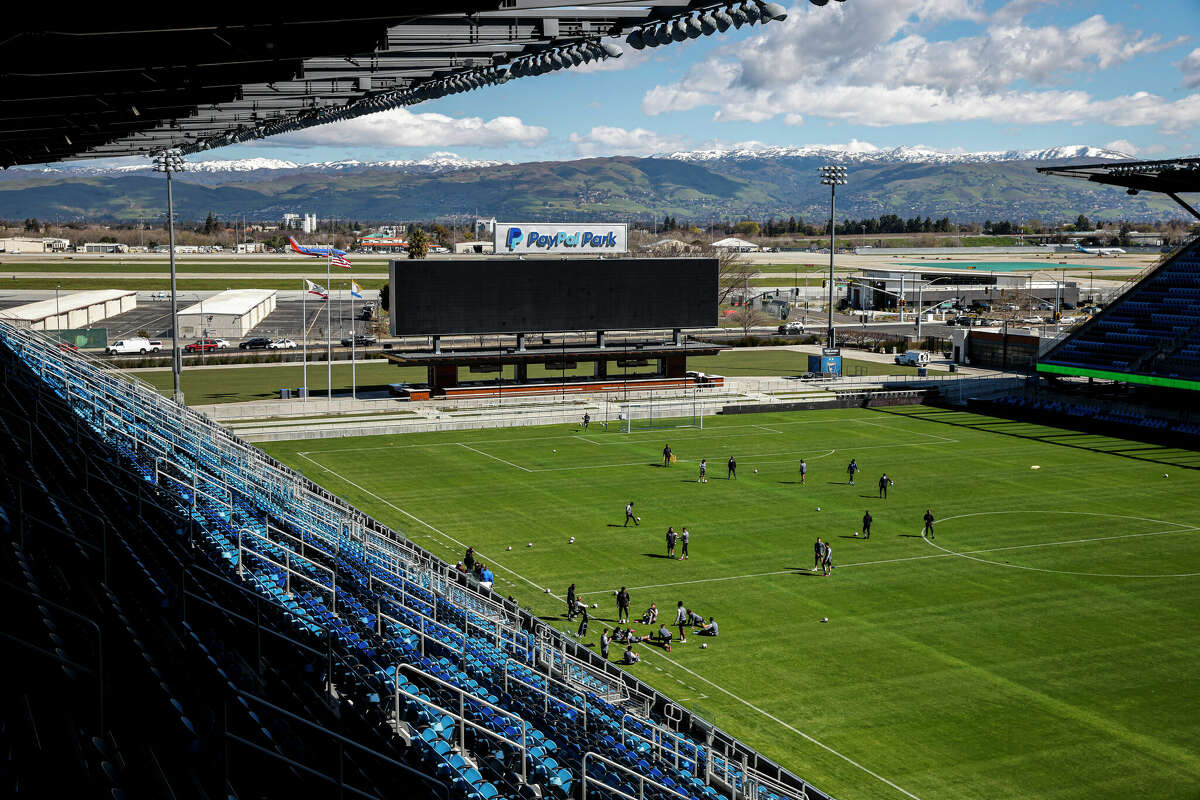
667 456
582 632
827 560
682 616
818 553
852 468
587 420
671 537
703 471
629 516
683 539
623 606
929 523
571 602
605 638
732 469
884 483
469 559
803 471
867 524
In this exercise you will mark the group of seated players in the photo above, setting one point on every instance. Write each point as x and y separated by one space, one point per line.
662 637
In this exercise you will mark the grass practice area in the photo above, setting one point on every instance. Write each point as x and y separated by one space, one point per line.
260 381
1041 646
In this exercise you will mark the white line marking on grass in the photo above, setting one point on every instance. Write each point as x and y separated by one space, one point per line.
430 527
768 430
791 728
893 430
969 554
590 441
495 458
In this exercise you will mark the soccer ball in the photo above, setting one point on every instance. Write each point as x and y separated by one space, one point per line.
826 619
639 519
704 645
1164 474
572 540
510 547
755 472
594 605
547 591
555 451
856 534
818 508
529 545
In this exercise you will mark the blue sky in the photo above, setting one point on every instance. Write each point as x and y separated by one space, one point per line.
949 74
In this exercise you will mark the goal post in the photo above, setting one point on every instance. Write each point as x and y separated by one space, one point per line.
656 413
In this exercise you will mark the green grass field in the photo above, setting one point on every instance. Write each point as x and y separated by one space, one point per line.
237 384
1042 646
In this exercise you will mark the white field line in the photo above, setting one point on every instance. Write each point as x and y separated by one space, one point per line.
496 458
427 525
789 727
945 554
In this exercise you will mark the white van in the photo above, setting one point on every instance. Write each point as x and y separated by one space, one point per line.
913 358
134 345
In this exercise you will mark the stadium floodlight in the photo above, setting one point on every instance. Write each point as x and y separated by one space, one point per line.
708 23
611 50
693 28
635 40
679 31
819 2
833 176
739 16
772 12
723 20
168 161
662 34
750 8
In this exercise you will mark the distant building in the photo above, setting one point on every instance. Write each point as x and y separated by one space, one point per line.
102 247
243 248
466 248
383 243
231 314
21 245
485 228
734 243
673 246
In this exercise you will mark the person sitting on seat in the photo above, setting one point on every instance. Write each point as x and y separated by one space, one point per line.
709 629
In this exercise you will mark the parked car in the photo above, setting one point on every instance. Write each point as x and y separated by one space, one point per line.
282 344
791 327
257 343
913 358
203 346
360 340
134 345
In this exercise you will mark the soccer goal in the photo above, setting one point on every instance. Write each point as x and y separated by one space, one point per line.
656 413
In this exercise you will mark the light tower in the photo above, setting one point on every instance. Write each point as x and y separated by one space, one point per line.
832 176
168 161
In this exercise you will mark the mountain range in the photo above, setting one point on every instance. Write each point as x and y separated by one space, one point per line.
694 185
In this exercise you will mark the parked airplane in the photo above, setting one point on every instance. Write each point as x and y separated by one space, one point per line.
1099 251
322 252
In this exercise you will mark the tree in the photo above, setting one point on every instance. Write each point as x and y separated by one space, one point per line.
384 301
747 317
747 227
734 272
418 243
441 234
1082 223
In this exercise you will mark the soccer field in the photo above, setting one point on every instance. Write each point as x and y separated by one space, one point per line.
1043 645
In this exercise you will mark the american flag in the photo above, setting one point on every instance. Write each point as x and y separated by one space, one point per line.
340 260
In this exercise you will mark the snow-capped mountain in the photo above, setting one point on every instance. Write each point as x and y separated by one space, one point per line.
864 152
435 162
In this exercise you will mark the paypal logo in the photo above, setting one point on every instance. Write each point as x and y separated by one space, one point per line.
513 238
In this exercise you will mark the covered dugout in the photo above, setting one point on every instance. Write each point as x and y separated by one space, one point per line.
73 310
231 314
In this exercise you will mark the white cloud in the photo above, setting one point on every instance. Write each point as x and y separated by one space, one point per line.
1122 146
607 140
403 128
869 63
1190 67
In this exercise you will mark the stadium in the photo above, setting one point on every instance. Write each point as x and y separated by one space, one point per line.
458 587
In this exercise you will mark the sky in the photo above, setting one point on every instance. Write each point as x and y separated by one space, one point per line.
966 75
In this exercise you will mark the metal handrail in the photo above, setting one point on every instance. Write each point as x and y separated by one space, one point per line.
642 779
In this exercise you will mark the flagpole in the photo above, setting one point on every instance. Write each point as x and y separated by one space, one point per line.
329 328
353 345
304 333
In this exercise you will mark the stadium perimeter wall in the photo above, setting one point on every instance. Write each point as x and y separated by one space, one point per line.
845 400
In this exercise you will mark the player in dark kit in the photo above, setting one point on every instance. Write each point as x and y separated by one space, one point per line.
671 537
929 523
818 554
667 456
867 524
732 469
852 468
884 483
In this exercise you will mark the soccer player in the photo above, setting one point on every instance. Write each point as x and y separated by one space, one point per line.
852 468
587 420
671 537
710 629
664 636
623 606
571 602
818 553
630 657
884 483
803 471
929 523
732 469
867 524
667 456
629 516
703 471
684 537
604 640
582 632
827 560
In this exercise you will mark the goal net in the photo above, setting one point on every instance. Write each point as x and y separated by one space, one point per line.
655 414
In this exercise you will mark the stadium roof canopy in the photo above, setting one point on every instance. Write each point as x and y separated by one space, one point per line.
100 81
1169 177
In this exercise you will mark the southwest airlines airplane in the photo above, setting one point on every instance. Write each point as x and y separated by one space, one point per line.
322 252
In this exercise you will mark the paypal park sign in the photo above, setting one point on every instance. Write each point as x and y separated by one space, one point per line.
531 237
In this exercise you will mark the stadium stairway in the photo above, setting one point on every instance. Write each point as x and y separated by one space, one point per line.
259 620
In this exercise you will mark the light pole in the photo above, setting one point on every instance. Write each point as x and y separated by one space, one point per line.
921 301
57 308
832 176
168 161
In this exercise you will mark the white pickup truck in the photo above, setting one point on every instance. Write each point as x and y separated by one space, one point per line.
135 345
913 358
